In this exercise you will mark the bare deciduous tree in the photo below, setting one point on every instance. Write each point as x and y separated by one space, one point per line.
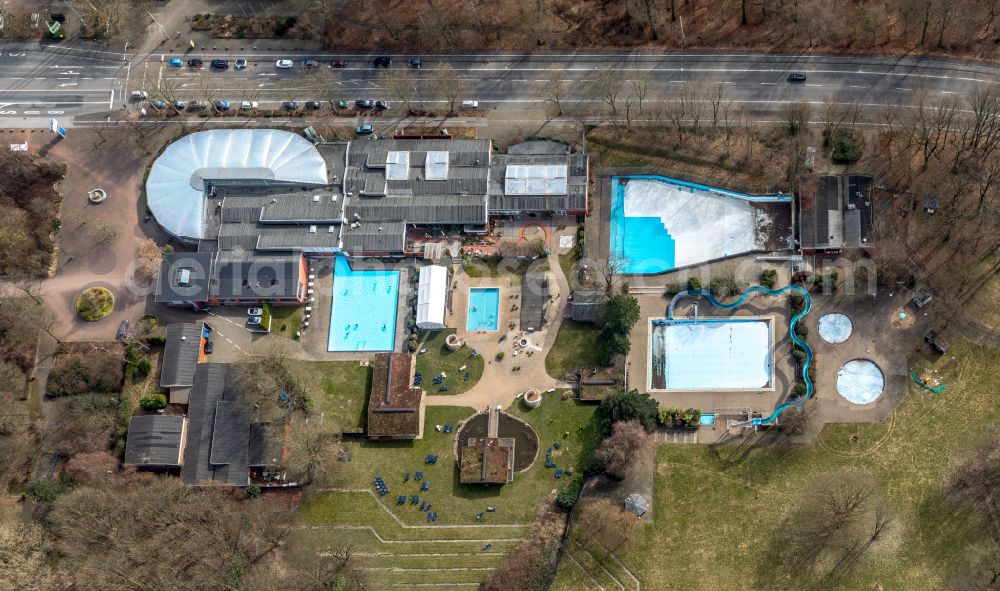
606 86
795 116
447 85
624 448
401 86
553 89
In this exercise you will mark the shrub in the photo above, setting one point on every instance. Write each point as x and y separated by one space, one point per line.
137 365
694 284
156 341
799 355
723 286
846 148
147 323
798 390
94 304
625 406
801 329
75 373
253 491
768 278
153 401
797 301
500 355
45 491
673 289
567 497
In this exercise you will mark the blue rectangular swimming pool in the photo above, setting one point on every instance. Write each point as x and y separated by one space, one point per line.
363 309
711 354
484 309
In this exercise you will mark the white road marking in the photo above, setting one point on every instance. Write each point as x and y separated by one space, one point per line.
768 83
814 85
112 99
68 84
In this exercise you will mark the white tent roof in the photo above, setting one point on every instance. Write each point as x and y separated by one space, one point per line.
431 296
175 187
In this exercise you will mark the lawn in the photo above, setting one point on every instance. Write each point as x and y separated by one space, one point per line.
723 506
286 320
578 344
554 420
339 390
512 269
439 358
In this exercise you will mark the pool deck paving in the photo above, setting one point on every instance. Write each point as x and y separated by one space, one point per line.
499 384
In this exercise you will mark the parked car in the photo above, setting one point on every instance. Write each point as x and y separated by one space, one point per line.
220 64
195 63
221 105
283 64
382 62
179 105
138 95
341 104
176 62
255 312
253 320
58 17
122 330
365 129
208 347
470 104
248 105
290 105
195 106
240 64
363 104
159 104
339 64
313 104
310 63
796 77
381 105
416 63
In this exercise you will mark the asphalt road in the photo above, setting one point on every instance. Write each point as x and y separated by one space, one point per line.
35 85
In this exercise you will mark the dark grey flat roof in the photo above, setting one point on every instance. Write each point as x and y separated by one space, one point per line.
450 209
256 276
194 266
180 354
154 440
534 296
368 238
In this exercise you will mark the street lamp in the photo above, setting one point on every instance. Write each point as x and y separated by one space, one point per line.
125 52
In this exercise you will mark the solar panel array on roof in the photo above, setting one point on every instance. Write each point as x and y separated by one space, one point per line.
436 166
397 166
535 179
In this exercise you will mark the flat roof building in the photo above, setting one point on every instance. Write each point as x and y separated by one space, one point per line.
487 460
836 213
394 405
156 441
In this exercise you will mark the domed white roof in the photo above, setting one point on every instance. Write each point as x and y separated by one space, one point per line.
175 186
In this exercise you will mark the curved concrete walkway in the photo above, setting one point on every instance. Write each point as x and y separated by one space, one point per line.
499 384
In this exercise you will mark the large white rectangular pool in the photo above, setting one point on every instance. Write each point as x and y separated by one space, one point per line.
710 354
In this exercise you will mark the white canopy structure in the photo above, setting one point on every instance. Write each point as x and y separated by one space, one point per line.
175 188
432 297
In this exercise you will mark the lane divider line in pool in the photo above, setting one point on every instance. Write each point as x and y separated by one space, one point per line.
791 329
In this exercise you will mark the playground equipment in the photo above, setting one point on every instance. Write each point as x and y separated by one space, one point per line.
791 330
927 381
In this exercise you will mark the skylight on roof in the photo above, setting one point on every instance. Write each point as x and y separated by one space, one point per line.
535 179
397 166
436 166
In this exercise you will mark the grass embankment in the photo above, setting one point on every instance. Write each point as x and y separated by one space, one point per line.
287 320
724 506
339 390
439 358
452 544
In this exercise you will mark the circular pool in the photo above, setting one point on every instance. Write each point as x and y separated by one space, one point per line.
525 438
860 381
835 328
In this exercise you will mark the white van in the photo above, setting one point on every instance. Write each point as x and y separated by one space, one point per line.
470 104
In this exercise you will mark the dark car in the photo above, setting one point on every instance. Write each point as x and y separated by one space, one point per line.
221 105
341 104
122 330
195 106
195 63
220 64
339 64
208 347
416 62
290 105
362 104
313 104
365 129
310 63
381 105
382 62
58 17
796 77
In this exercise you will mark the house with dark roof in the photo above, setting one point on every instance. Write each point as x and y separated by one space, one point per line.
183 350
395 406
836 213
156 441
535 298
487 460
585 305
226 445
